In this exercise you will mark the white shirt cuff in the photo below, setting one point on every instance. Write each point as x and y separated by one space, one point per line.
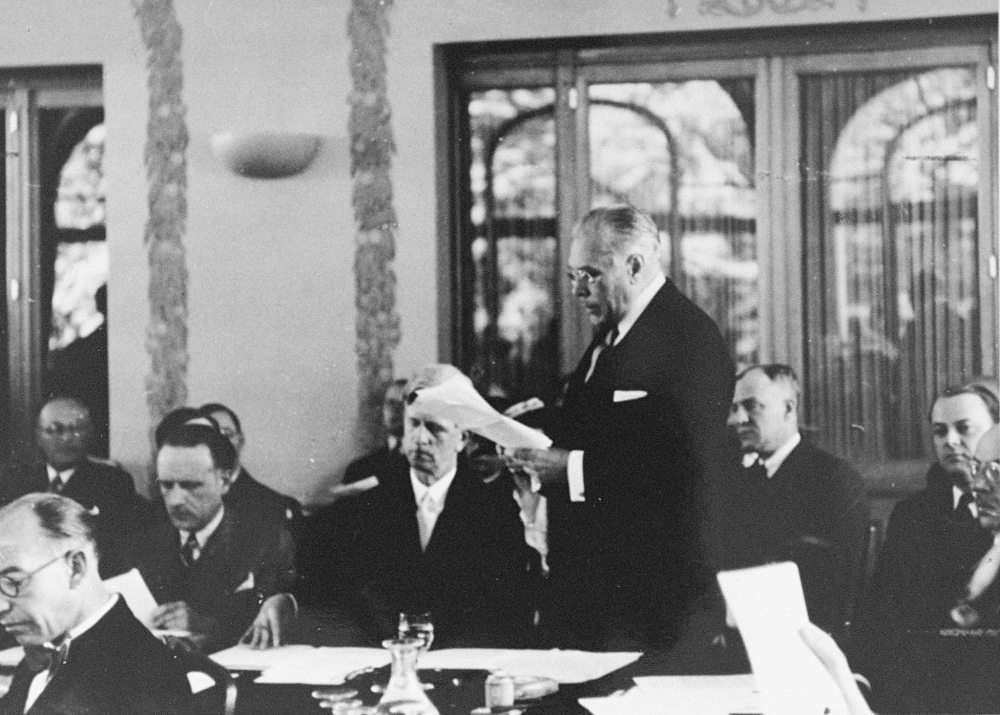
574 475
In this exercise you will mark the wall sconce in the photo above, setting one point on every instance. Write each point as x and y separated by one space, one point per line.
265 155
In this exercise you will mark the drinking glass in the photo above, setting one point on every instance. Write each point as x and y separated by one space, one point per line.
417 625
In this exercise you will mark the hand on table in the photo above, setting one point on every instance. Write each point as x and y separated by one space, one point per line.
270 628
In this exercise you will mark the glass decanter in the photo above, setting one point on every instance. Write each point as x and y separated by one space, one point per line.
405 695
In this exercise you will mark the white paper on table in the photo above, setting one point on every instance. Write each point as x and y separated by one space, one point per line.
702 694
136 593
562 666
326 666
457 401
631 702
243 657
769 609
10 657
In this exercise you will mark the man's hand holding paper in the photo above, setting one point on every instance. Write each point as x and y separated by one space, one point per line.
545 465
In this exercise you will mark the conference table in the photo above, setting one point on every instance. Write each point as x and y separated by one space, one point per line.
459 691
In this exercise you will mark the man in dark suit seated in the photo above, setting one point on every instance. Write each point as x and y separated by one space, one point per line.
790 500
208 569
246 495
86 652
63 435
907 640
641 427
432 537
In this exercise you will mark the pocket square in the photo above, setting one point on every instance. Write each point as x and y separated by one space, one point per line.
247 585
627 395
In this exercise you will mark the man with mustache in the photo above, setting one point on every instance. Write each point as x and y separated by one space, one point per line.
209 570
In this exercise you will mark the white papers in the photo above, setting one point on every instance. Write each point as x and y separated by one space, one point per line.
701 694
456 400
631 702
562 666
301 664
769 609
136 593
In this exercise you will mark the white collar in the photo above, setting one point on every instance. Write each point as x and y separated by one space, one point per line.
641 303
87 623
438 490
773 463
64 475
956 496
205 532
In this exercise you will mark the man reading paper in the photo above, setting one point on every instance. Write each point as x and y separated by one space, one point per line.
642 422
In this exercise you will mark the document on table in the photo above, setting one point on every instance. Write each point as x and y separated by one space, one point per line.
456 400
562 666
769 609
701 694
302 664
631 702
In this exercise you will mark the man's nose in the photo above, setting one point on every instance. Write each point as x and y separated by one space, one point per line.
737 415
953 438
5 604
581 289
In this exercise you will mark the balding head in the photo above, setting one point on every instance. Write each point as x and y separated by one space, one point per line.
430 442
614 255
764 413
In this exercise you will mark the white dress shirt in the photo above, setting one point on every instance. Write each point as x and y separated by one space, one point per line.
430 502
203 534
777 458
64 475
574 467
41 680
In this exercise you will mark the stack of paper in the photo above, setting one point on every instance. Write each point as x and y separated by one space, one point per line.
302 664
562 666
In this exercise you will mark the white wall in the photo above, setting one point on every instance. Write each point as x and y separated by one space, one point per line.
271 288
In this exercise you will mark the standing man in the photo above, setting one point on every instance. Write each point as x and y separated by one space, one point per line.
209 571
791 500
246 495
63 435
86 652
642 425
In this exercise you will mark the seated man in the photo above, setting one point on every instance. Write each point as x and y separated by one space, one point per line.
86 652
791 500
63 436
208 571
246 495
434 538
906 639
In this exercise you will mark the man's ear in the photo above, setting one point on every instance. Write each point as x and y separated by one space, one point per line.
634 263
227 478
79 564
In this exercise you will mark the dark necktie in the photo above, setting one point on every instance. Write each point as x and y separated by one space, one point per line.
756 472
189 550
46 657
56 485
962 511
601 351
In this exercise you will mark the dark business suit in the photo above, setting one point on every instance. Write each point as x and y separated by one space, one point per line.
116 667
630 559
94 484
471 575
217 585
812 511
904 639
253 500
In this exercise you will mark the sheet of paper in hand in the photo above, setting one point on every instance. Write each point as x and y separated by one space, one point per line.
457 401
769 609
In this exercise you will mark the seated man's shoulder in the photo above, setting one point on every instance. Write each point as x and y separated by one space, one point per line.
821 464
